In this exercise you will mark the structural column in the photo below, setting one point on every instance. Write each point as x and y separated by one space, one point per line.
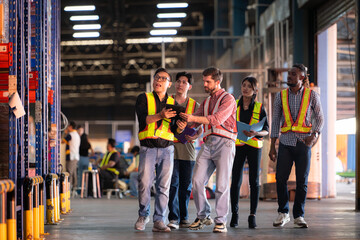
327 78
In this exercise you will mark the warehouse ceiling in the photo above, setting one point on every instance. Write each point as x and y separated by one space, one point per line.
101 77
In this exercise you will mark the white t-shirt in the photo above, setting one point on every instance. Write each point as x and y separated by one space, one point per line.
74 146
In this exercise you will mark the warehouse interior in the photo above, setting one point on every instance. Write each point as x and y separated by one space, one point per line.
89 66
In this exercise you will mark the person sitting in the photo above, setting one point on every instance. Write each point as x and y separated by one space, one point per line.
111 166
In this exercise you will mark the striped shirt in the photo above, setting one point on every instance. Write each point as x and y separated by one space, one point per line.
290 138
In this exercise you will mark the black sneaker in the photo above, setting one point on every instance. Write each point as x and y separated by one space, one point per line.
234 220
252 221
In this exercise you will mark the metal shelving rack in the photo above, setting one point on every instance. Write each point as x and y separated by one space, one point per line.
34 31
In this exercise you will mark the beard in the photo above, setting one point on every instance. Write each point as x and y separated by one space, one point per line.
291 84
209 90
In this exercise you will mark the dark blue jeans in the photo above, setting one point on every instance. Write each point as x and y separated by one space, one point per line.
301 155
180 189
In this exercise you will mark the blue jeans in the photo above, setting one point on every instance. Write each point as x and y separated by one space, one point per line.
133 183
155 163
180 189
301 155
82 165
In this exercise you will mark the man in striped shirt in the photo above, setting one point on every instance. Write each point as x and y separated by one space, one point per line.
294 108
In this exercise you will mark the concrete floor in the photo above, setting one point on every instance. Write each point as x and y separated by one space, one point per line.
114 219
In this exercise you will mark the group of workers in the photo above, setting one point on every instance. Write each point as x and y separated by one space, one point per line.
169 160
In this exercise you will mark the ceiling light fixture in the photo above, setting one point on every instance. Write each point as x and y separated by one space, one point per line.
172 5
154 40
84 18
79 8
87 42
171 15
86 34
166 24
86 26
163 32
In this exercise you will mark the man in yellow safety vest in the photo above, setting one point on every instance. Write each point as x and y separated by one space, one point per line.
111 166
156 134
292 116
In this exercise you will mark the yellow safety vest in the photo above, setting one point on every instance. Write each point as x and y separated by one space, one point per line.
253 142
151 130
190 108
105 161
299 126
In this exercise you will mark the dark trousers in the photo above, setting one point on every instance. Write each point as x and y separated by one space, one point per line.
301 155
180 189
253 156
107 179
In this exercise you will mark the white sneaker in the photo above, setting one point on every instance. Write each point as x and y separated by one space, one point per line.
299 222
281 220
173 224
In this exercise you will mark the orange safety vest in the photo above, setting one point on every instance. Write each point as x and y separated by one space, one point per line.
190 108
218 130
253 142
299 126
151 130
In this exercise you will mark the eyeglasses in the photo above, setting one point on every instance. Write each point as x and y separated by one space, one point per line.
161 79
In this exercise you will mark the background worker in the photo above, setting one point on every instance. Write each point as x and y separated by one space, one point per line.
250 112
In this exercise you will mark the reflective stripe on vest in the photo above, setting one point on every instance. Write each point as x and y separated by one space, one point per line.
105 162
151 130
218 130
255 118
190 108
299 126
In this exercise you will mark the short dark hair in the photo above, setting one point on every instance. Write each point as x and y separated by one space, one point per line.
214 72
135 149
111 142
162 70
303 69
72 124
185 74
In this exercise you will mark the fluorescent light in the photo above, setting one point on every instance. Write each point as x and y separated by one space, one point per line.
166 24
84 18
172 5
79 8
87 42
171 15
86 34
163 32
86 26
154 40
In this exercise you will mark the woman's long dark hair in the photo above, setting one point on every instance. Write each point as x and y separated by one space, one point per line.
253 82
84 142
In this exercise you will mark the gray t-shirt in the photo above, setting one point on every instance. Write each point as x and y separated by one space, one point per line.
185 151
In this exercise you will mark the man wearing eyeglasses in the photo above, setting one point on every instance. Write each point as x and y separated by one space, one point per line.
156 134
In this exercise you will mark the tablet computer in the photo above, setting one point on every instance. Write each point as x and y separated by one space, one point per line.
176 108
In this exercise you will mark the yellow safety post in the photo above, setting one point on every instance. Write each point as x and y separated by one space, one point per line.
11 216
50 205
28 208
41 209
3 235
56 203
63 194
36 208
68 206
